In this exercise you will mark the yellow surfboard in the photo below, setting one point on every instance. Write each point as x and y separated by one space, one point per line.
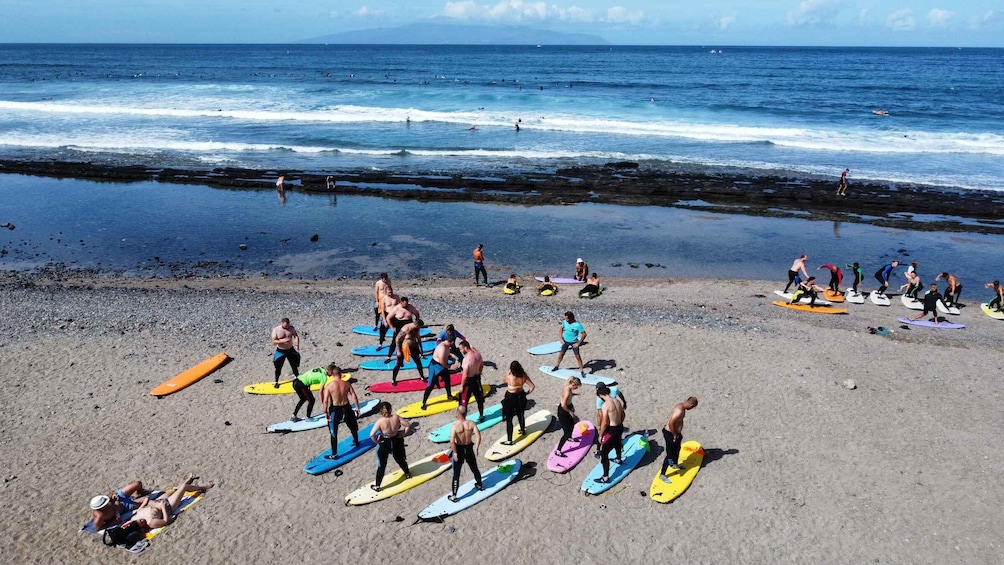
187 501
436 405
536 425
190 376
807 308
422 471
992 313
668 487
285 387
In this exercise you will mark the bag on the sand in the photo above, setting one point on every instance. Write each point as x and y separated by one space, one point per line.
127 534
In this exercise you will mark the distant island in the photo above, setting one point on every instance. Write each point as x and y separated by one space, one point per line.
432 33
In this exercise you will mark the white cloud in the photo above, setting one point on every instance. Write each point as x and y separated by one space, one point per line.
901 20
726 22
862 16
938 17
989 19
814 12
519 11
621 15
333 15
367 12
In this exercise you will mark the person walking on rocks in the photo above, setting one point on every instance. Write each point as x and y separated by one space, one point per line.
796 266
571 334
842 187
672 434
287 345
479 264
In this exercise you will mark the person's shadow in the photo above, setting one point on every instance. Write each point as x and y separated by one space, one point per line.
597 365
712 454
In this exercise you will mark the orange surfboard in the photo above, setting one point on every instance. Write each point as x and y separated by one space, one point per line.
833 297
189 376
807 308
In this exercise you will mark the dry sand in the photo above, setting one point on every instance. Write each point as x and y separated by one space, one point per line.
903 469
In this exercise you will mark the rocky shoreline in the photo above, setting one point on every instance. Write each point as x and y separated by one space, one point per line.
623 183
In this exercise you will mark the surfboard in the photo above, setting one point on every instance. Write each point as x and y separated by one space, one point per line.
946 309
189 376
992 313
929 323
285 387
536 424
912 303
383 365
381 350
635 447
436 405
815 309
878 299
492 481
854 297
346 451
412 385
802 300
545 349
318 420
833 296
560 280
575 449
667 488
368 330
589 379
493 416
395 483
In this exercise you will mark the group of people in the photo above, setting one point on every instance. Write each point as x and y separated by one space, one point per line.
592 289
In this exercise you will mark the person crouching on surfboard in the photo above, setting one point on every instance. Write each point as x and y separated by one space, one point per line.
999 298
836 277
930 304
859 275
883 275
610 430
954 290
807 288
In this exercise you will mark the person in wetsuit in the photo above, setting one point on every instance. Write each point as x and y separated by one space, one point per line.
797 266
439 371
396 317
380 288
859 275
882 276
479 264
335 403
472 366
931 300
465 442
388 433
610 430
999 295
836 277
672 434
514 401
566 413
301 386
409 345
808 288
287 342
954 290
592 288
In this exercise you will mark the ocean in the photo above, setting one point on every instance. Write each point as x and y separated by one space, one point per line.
790 112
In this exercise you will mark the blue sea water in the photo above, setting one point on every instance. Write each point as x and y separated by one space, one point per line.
797 112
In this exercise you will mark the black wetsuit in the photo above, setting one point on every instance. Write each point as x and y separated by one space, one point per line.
615 441
397 325
567 422
472 385
339 413
437 373
791 279
859 275
417 358
390 446
303 392
673 443
514 404
465 453
931 302
281 355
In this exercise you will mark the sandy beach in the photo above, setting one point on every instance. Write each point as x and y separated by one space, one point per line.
800 469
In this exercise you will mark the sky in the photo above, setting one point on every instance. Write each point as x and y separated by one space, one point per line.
937 23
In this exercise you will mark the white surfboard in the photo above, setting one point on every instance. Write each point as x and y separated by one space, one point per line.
912 303
545 349
946 309
854 297
588 379
803 300
878 299
318 420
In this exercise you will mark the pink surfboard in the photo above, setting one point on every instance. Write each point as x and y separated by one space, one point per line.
574 451
413 385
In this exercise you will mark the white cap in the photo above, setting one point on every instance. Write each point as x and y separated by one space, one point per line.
99 502
579 260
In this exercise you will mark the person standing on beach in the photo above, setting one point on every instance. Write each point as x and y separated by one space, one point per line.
479 264
397 317
465 442
472 367
836 277
796 266
514 401
439 370
571 334
999 296
931 300
672 434
859 276
335 403
616 394
882 276
382 287
566 413
388 433
409 348
287 344
610 430
842 187
954 290
581 270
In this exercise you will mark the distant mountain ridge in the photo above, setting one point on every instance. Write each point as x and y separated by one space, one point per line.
432 33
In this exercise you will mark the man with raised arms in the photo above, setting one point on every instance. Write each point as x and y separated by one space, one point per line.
672 434
382 286
796 266
287 344
472 366
335 402
465 441
396 317
439 368
610 430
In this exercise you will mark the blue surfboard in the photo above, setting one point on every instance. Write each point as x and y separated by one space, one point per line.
368 330
381 350
492 481
493 417
635 447
346 453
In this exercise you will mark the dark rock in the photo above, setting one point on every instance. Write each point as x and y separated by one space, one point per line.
315 237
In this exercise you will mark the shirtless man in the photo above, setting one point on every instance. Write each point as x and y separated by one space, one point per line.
472 366
439 370
160 512
954 290
465 442
407 337
796 266
287 344
335 403
998 299
581 269
387 302
381 287
396 317
108 510
672 434
610 430
479 264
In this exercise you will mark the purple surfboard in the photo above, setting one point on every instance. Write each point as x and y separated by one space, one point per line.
560 280
930 324
575 452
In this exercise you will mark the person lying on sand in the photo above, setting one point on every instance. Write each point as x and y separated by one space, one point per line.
107 510
160 512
